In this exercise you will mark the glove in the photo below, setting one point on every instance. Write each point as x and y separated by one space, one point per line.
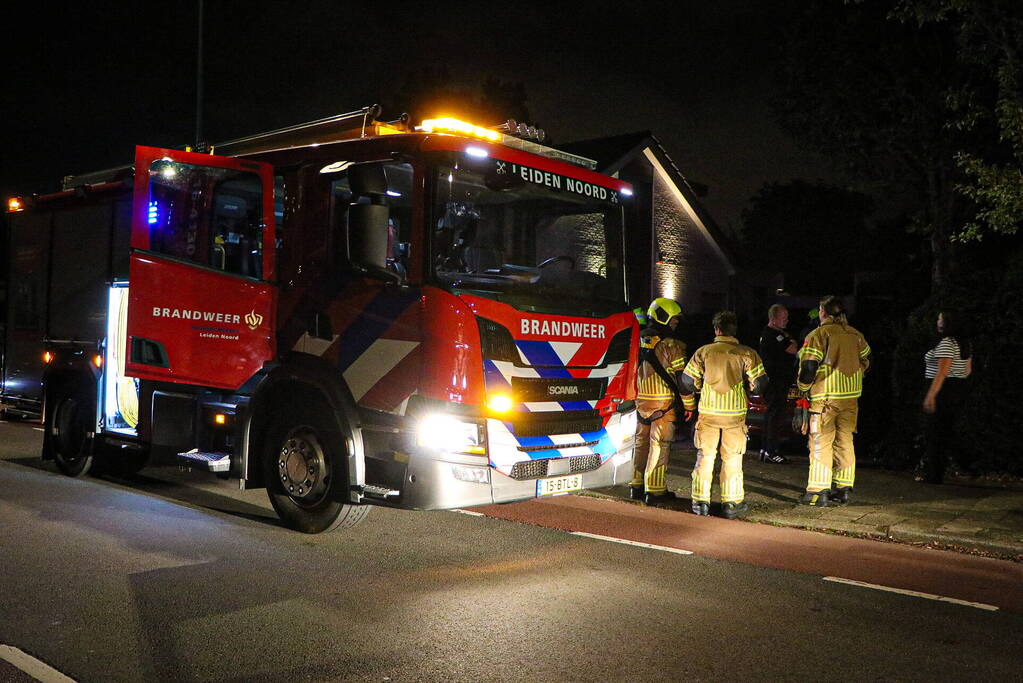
801 417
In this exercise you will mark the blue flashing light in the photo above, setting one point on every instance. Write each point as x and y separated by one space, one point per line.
154 213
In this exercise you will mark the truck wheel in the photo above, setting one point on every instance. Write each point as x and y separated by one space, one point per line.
306 474
70 430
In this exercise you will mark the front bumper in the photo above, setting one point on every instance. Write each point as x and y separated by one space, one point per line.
433 483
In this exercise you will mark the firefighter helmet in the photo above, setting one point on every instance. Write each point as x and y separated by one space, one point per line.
662 310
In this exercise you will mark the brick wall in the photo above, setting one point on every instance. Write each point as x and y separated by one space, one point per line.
686 267
581 237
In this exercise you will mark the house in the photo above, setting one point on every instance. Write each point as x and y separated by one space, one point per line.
673 247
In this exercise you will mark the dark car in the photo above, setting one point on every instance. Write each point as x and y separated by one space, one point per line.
756 415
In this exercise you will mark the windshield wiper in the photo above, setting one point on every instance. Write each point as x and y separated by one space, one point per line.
507 273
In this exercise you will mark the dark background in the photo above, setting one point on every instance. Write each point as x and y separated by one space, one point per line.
84 83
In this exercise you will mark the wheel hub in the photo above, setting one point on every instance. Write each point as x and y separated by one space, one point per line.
302 466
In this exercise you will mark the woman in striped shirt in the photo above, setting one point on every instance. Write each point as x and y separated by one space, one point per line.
947 366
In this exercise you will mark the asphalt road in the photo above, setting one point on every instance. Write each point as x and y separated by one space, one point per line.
170 577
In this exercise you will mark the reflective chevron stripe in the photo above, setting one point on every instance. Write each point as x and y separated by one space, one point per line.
653 387
837 385
655 480
845 477
732 403
701 488
677 364
820 477
732 490
755 372
809 352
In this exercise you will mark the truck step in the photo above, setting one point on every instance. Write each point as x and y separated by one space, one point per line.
211 462
378 491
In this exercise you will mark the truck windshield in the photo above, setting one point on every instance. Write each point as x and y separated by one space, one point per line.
505 227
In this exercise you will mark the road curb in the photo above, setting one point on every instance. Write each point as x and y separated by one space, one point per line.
936 540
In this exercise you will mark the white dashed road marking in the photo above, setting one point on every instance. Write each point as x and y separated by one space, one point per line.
33 667
833 579
624 541
612 539
917 594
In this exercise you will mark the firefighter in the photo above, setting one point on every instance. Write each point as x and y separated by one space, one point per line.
831 366
720 371
662 356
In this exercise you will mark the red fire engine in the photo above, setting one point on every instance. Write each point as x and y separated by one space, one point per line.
346 312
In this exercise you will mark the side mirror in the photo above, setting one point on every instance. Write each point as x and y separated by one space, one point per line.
367 238
367 180
502 182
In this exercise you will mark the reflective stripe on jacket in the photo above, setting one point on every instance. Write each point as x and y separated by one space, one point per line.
650 387
720 372
844 356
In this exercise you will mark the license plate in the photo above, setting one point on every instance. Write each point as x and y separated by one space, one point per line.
559 485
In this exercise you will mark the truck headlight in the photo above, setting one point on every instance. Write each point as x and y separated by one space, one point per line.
452 435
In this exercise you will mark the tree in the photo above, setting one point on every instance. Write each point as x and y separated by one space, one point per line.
788 226
870 94
989 41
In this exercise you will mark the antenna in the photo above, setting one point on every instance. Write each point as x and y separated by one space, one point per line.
199 144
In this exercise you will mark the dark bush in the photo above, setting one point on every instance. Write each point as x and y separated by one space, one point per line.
990 301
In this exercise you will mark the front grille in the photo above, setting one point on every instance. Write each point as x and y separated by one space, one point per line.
558 388
496 341
537 469
618 349
558 446
584 463
529 469
558 422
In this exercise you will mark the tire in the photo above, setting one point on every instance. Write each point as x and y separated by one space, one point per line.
70 428
307 474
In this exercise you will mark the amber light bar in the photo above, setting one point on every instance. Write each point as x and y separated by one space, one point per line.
449 125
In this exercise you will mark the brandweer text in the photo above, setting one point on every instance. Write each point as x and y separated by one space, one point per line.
557 328
186 314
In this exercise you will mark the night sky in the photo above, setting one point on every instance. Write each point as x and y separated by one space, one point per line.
85 82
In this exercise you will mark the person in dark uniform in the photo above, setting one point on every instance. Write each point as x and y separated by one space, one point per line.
778 351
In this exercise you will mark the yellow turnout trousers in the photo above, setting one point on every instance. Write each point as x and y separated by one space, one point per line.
650 460
727 437
832 457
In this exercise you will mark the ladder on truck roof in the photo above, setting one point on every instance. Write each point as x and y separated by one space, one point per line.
330 129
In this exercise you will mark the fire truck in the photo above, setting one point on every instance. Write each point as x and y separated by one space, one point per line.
348 312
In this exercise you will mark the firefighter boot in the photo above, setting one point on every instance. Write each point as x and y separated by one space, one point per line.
702 509
840 495
636 492
815 498
733 510
659 499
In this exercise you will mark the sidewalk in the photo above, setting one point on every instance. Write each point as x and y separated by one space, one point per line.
963 516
